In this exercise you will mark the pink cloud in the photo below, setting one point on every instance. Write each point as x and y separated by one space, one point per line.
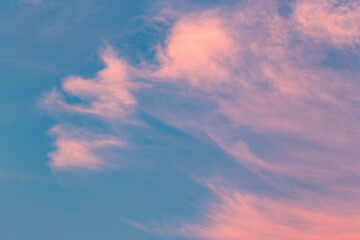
78 148
246 62
238 215
270 88
277 88
242 215
330 21
198 47
108 95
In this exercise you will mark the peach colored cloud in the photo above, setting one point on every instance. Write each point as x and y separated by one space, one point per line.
237 215
271 88
198 47
108 95
77 148
241 215
260 72
277 87
336 22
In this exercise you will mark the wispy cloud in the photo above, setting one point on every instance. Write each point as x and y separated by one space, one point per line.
107 96
275 86
77 148
261 71
270 87
241 215
330 21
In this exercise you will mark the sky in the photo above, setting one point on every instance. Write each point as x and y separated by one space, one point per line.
190 119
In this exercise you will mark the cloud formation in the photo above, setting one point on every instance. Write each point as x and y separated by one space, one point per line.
270 88
277 88
198 48
330 21
77 148
262 72
239 215
107 96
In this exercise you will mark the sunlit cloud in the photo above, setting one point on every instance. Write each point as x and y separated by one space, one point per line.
262 72
271 88
198 48
107 96
309 112
240 215
77 148
330 21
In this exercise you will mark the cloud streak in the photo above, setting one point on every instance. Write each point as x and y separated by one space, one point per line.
240 215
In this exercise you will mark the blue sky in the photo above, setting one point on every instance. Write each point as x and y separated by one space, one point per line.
40 44
179 119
